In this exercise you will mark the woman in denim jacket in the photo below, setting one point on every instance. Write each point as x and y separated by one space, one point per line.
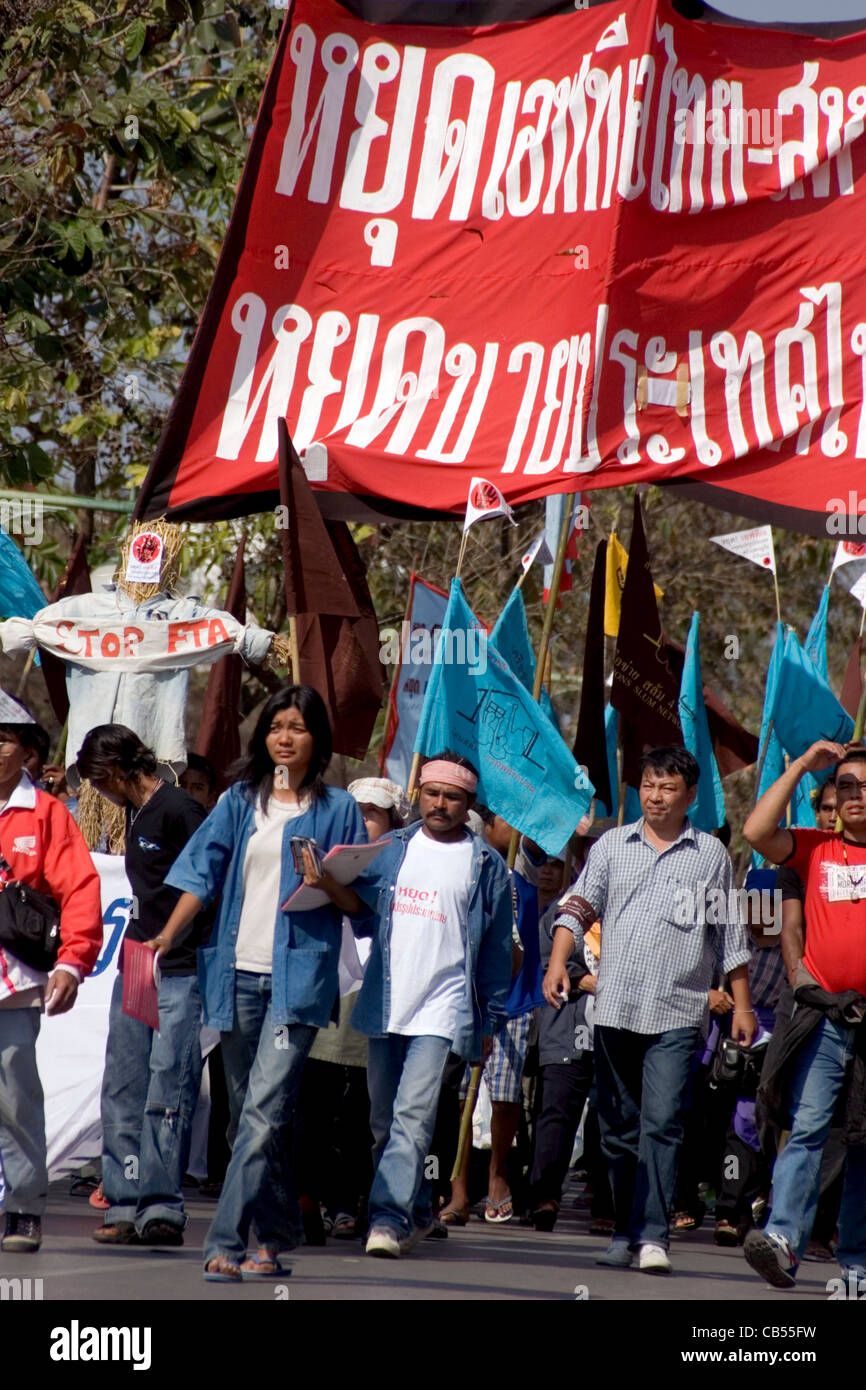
268 977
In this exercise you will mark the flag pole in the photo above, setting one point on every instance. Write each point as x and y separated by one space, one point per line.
463 541
550 612
862 618
776 588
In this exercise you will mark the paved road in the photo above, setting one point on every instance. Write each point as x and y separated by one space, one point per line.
478 1262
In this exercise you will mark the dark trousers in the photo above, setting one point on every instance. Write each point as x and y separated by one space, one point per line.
332 1135
218 1151
642 1079
562 1091
745 1177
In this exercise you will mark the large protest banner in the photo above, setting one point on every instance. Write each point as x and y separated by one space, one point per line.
574 252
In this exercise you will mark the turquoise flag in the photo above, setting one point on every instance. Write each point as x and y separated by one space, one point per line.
815 644
510 637
707 811
20 595
769 747
804 707
477 706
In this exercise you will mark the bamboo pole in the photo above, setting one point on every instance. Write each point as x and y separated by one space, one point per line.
463 1145
464 538
294 650
28 667
778 603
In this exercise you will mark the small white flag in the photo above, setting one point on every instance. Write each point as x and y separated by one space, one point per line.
540 551
484 501
755 545
12 712
859 590
846 551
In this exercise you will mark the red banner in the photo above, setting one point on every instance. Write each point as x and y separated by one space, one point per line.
571 253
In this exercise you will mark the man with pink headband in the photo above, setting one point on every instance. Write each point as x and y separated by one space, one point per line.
437 980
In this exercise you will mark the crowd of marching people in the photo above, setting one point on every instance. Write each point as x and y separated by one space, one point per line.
624 1008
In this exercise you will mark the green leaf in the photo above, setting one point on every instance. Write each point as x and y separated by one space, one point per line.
74 236
75 426
41 464
135 37
48 347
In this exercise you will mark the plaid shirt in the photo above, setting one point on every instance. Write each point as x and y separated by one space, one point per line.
669 926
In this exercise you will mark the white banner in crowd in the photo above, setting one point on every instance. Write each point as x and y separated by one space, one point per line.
71 1047
418 642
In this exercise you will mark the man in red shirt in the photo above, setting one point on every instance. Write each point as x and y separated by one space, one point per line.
833 869
41 846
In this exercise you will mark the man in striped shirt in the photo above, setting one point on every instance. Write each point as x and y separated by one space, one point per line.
664 894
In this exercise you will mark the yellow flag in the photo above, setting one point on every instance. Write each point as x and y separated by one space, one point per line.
617 564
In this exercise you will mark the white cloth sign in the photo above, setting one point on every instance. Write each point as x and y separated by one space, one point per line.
141 645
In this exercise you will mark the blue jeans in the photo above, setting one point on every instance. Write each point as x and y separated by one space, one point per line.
817 1080
263 1066
642 1080
149 1091
22 1113
404 1077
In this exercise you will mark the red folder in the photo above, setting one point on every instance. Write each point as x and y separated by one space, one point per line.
140 981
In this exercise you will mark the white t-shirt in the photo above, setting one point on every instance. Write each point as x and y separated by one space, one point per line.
428 926
254 949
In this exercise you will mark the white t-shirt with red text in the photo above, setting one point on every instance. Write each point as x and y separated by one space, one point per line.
428 932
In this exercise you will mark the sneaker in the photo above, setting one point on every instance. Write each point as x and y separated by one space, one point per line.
382 1241
418 1234
653 1259
158 1232
345 1226
437 1230
772 1257
23 1233
617 1255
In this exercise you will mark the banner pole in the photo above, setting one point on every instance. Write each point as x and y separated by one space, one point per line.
862 618
778 604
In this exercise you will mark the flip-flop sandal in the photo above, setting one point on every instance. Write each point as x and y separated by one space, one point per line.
277 1272
219 1276
494 1213
83 1187
449 1217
